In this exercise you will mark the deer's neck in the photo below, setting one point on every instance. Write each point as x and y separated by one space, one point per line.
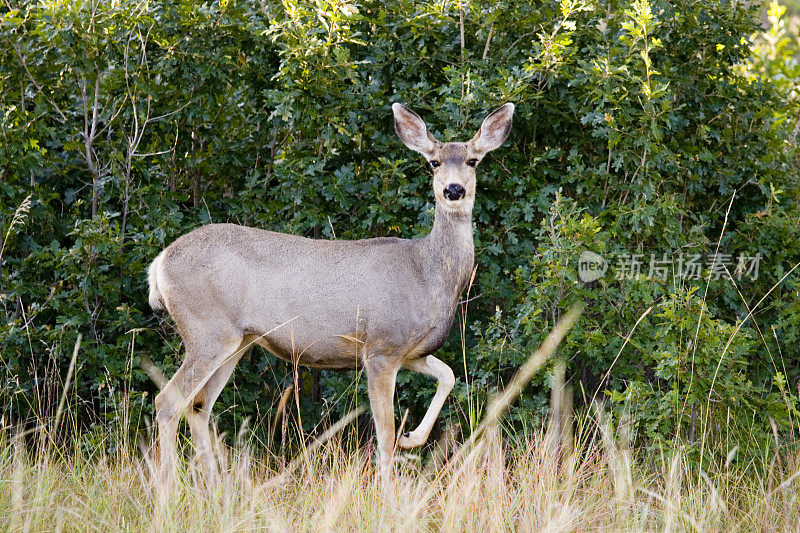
450 250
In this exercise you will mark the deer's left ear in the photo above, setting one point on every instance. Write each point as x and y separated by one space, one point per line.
494 130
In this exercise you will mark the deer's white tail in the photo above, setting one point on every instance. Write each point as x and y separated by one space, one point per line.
156 299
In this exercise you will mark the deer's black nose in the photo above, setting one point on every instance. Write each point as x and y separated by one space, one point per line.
454 191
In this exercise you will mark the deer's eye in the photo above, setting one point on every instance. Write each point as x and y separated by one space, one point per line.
435 164
473 163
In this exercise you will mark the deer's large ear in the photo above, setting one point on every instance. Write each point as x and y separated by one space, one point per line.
494 130
412 130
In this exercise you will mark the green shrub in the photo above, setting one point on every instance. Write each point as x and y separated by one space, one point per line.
661 128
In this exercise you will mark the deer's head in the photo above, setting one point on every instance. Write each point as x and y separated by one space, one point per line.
453 163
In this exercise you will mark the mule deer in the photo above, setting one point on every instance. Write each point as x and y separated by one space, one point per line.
377 304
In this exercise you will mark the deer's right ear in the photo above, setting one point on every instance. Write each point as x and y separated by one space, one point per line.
412 130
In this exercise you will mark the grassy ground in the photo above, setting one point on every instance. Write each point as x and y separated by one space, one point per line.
575 474
547 480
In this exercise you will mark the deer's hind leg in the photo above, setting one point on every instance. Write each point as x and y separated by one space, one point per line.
206 351
199 412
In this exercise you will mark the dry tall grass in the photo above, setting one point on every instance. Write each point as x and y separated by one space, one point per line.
542 481
575 474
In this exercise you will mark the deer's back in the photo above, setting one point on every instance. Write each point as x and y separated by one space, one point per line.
322 301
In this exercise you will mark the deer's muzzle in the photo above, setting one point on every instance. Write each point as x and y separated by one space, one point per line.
454 192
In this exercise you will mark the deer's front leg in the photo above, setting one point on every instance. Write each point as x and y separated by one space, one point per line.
381 376
434 367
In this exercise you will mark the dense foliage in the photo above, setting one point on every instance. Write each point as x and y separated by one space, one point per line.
663 134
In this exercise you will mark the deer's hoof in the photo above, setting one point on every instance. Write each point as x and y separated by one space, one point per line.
407 441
